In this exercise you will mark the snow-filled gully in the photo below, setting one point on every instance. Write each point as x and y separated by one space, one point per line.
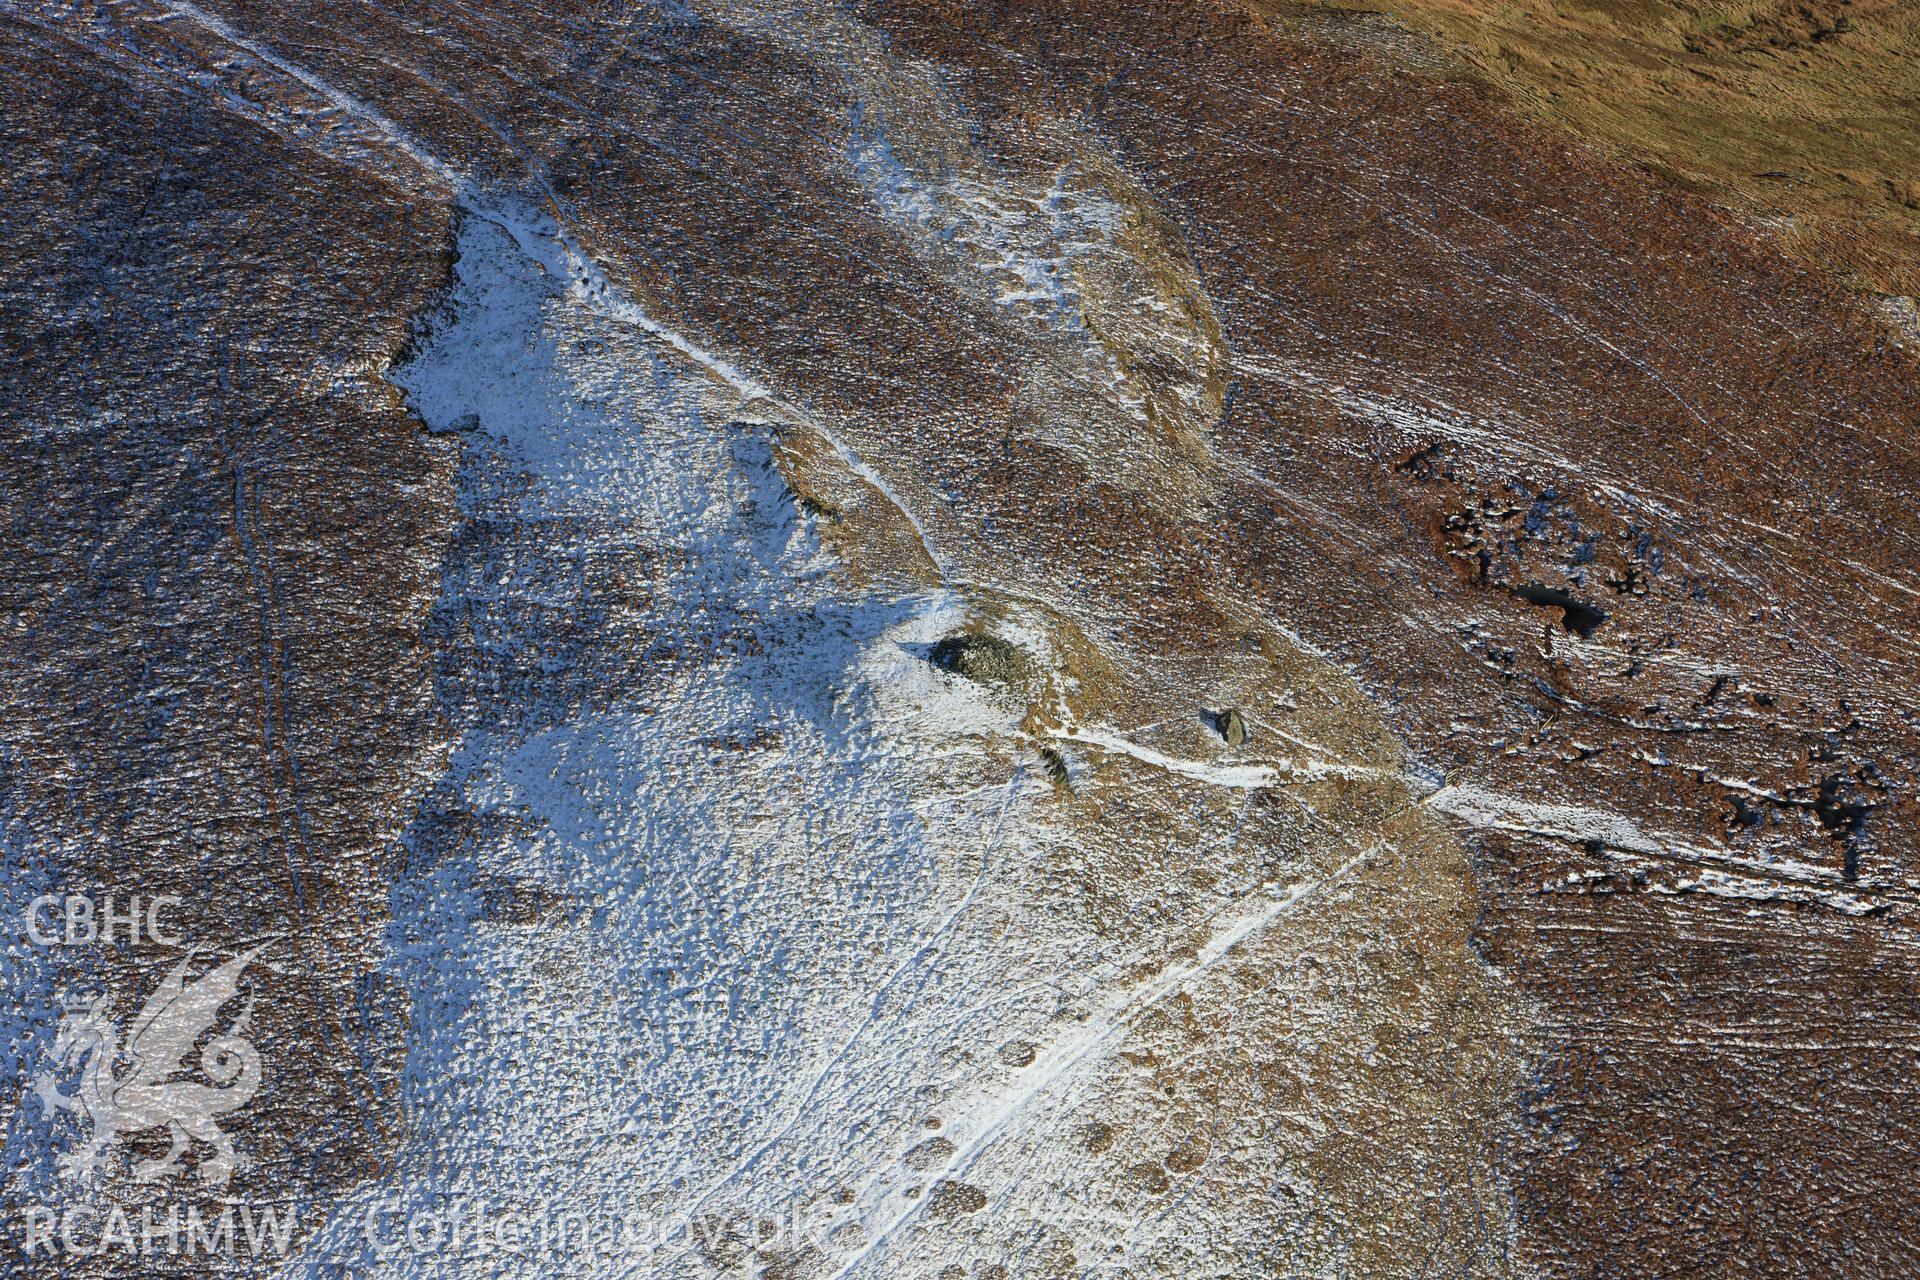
755 880
747 960
728 973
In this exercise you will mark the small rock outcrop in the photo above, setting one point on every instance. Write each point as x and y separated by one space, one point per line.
987 659
1232 726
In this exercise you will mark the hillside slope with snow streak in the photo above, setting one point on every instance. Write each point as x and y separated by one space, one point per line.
485 486
734 909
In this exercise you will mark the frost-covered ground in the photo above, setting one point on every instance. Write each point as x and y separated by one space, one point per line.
715 912
637 875
738 932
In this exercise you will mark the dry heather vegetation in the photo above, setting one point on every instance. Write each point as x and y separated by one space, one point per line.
486 485
1798 112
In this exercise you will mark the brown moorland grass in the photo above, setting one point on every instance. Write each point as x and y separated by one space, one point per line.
1800 114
